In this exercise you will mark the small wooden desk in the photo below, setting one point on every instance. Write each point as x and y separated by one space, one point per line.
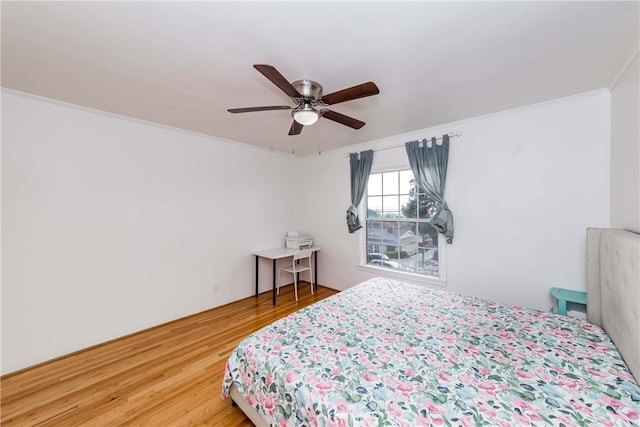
279 253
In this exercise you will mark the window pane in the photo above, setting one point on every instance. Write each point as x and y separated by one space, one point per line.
426 261
409 206
405 181
428 235
375 240
405 206
374 226
386 255
374 236
390 183
374 206
390 237
374 187
391 206
407 235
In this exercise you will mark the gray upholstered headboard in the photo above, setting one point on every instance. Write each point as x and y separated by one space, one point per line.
613 289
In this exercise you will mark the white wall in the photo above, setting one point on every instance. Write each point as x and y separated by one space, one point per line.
110 226
523 186
625 150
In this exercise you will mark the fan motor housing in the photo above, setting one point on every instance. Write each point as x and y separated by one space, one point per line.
308 89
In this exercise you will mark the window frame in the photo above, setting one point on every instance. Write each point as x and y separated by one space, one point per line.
440 280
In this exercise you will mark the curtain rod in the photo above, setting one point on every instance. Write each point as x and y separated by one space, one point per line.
451 135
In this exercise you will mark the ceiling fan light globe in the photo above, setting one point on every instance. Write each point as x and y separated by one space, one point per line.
305 117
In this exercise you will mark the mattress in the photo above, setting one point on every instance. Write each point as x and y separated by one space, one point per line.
386 352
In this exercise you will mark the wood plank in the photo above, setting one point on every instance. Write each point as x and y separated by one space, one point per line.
167 375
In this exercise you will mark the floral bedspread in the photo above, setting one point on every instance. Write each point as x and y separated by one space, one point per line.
390 353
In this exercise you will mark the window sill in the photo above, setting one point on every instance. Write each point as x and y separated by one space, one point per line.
409 277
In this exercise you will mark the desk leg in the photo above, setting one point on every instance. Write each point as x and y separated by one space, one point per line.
256 276
315 267
274 282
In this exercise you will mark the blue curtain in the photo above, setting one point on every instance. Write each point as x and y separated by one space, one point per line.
360 168
429 166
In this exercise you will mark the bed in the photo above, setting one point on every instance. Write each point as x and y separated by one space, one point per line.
390 353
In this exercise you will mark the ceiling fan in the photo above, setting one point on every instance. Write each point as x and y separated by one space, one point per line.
310 101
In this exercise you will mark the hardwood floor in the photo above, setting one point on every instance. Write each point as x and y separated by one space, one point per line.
167 375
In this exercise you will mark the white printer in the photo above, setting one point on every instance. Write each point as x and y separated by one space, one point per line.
296 241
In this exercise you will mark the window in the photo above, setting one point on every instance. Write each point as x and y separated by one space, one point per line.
399 237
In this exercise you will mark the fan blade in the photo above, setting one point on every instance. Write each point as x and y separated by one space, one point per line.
296 128
250 109
355 92
278 79
342 119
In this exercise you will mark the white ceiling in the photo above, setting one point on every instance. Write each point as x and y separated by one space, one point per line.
183 64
